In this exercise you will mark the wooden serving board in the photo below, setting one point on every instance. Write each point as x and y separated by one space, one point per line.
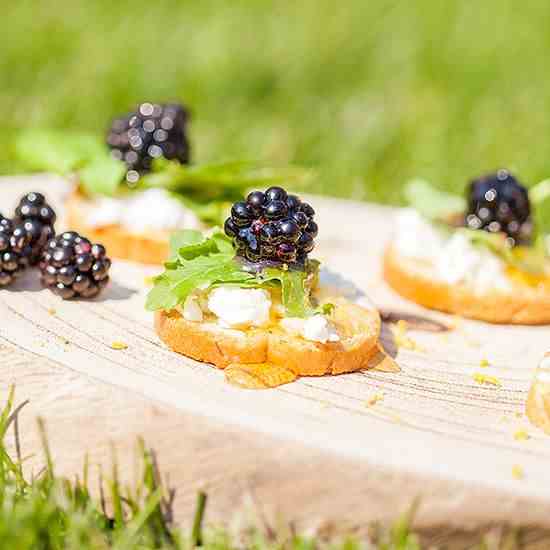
315 451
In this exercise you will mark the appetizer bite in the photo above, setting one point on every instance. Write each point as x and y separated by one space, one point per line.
136 187
485 257
249 299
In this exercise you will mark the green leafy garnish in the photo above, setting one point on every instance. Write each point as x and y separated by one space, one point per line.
295 295
200 262
207 189
433 203
102 175
529 259
56 151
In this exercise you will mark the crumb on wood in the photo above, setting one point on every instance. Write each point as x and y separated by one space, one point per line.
517 472
399 331
486 380
522 435
119 345
374 398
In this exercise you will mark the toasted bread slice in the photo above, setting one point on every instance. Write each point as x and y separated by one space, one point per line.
359 329
523 305
121 243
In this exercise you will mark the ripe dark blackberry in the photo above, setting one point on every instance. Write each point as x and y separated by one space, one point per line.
150 132
73 267
14 250
272 227
499 203
38 219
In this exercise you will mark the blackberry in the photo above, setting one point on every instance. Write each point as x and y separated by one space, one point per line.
73 267
499 203
272 227
152 131
15 250
38 219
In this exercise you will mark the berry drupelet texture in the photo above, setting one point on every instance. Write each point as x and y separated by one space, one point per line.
38 218
15 250
73 267
272 226
152 131
499 203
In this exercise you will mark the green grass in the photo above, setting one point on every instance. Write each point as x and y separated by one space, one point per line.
369 93
49 512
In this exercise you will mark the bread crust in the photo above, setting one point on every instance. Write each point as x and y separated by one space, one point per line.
524 305
122 244
359 329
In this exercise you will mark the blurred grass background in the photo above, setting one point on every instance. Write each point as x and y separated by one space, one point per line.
370 93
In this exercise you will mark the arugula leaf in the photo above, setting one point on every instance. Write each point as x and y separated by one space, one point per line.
161 295
102 175
179 239
207 262
433 203
295 294
223 242
190 243
200 272
529 259
55 150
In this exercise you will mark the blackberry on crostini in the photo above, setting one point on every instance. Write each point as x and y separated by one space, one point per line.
73 267
152 131
272 227
500 203
38 219
15 250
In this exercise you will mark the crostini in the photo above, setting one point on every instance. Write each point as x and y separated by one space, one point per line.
485 258
250 299
136 187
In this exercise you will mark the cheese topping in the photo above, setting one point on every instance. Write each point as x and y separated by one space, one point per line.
192 310
152 209
454 259
240 307
315 329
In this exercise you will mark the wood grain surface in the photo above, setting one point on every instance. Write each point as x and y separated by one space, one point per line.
342 450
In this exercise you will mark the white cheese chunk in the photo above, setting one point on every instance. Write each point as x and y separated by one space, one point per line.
316 328
192 310
240 307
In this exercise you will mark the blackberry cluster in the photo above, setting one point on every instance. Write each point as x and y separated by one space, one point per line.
38 219
150 132
15 250
272 226
499 203
72 266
